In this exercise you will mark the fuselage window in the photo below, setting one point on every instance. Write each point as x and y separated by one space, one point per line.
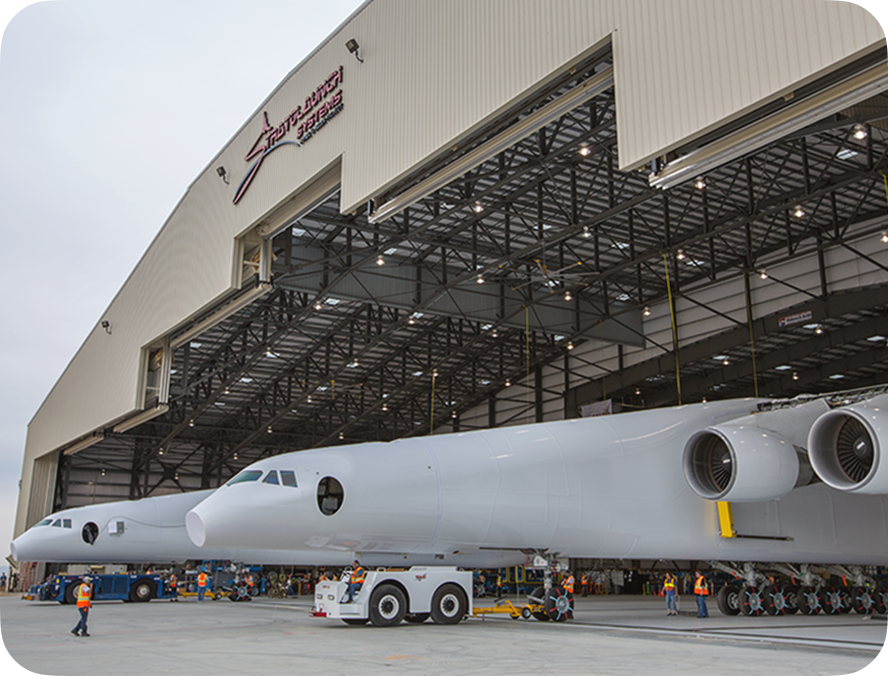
45 522
57 523
288 477
272 478
330 495
246 475
66 523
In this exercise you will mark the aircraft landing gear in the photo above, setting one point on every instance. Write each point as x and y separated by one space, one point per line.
728 600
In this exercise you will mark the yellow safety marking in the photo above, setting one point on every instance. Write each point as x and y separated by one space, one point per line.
726 520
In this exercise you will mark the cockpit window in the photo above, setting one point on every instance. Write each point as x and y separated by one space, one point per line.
246 475
66 523
57 523
45 522
330 495
288 477
271 477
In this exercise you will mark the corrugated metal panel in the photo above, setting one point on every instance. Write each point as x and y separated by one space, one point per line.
432 72
686 67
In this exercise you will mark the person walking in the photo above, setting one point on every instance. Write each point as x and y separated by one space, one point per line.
84 593
669 589
584 583
701 591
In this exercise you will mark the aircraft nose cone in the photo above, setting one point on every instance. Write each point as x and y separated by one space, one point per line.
197 532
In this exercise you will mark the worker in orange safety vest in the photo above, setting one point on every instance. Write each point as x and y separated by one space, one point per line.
355 581
701 591
84 593
202 579
584 584
568 583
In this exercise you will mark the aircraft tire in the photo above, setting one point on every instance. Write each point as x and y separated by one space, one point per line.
809 600
559 604
774 599
751 602
880 599
791 594
836 601
449 604
417 618
542 617
388 606
728 600
862 600
142 591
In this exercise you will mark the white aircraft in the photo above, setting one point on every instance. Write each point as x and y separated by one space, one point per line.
803 479
152 530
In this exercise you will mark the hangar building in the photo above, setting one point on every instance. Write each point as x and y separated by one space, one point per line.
459 215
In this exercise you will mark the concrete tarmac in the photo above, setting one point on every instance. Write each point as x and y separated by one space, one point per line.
609 635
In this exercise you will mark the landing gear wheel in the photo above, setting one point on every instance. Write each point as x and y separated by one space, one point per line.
559 604
836 600
809 600
142 591
542 617
791 595
388 606
862 600
751 601
880 599
728 599
449 604
774 600
353 620
417 618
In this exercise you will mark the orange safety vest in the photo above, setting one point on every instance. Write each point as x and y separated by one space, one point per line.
357 576
701 588
202 580
249 580
669 584
83 594
568 584
584 580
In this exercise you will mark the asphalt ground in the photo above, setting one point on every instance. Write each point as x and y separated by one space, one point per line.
609 635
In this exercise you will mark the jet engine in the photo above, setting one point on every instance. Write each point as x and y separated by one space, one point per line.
743 463
845 447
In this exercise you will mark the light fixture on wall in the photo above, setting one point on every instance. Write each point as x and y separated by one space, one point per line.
220 171
107 326
352 46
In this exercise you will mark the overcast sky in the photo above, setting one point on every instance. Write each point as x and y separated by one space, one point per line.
109 109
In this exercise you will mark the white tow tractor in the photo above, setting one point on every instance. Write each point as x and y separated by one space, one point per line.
390 596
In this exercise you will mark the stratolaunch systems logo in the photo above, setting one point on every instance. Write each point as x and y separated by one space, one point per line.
321 105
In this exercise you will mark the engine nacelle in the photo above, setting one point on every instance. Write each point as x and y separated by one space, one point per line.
845 447
743 463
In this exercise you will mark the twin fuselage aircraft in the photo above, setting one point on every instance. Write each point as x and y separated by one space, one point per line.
805 480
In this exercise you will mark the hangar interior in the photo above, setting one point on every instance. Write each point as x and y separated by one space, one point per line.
522 275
